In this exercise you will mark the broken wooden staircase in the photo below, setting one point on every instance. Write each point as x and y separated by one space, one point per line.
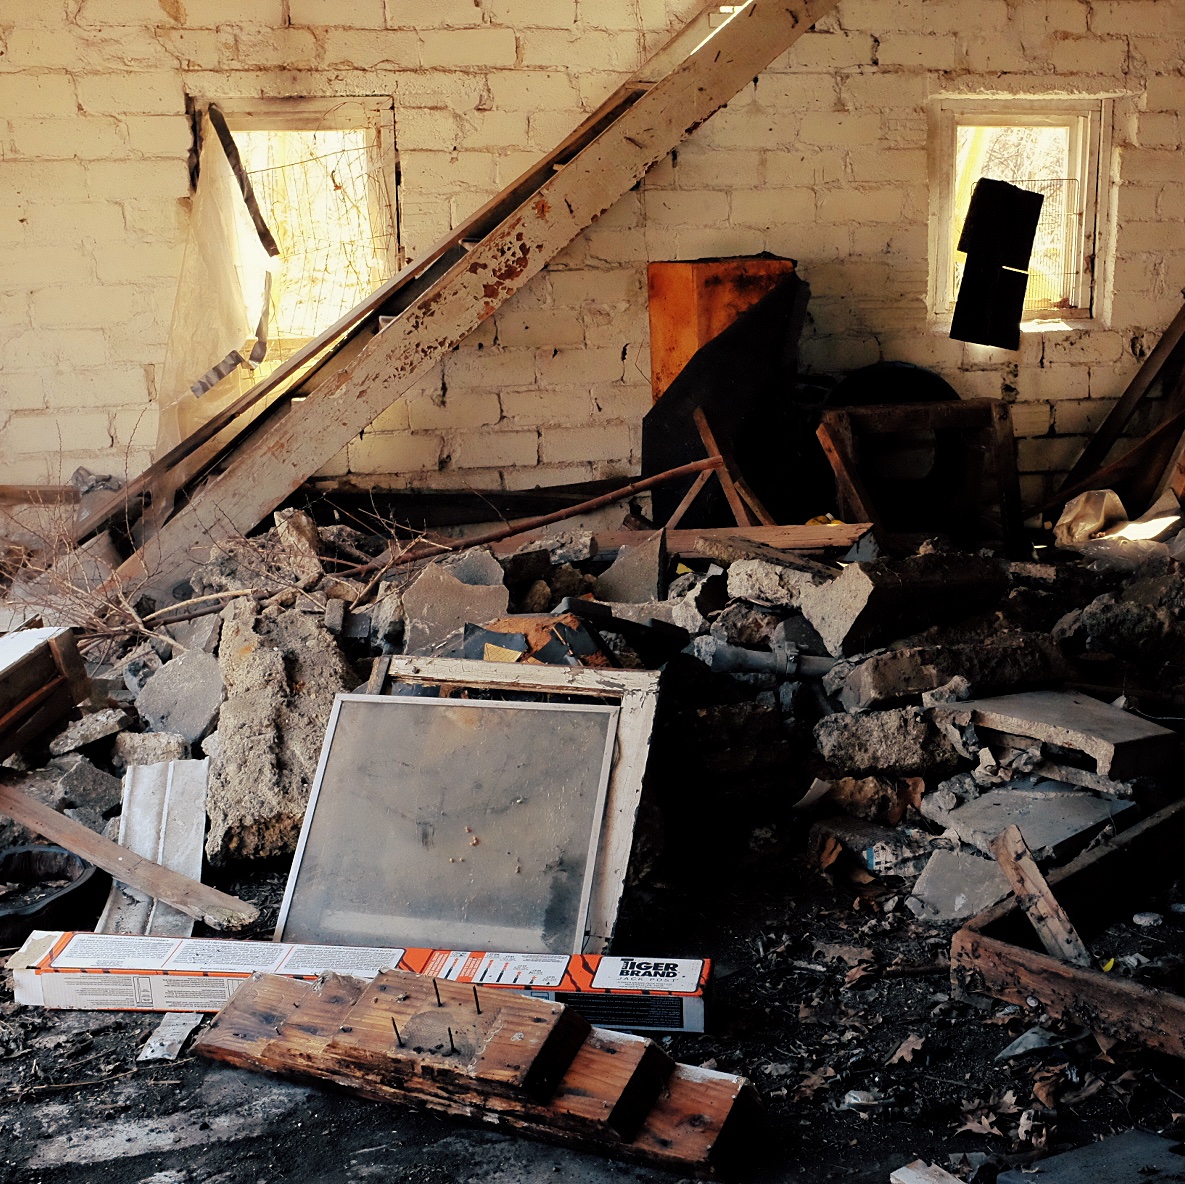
497 1057
357 368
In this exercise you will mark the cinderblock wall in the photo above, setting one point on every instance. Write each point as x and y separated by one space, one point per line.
823 158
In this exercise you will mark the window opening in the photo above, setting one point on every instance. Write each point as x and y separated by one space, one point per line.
1053 150
324 178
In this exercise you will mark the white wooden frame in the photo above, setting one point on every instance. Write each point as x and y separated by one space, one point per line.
636 692
1089 123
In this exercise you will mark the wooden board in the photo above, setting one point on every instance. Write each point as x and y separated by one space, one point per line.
1033 894
288 449
619 1095
842 536
458 1037
987 423
42 677
1122 744
1109 431
216 909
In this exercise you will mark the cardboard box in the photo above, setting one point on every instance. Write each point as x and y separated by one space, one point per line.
97 971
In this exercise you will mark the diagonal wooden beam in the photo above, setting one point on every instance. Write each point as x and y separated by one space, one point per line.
286 450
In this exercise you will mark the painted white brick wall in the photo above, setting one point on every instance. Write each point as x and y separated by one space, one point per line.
823 158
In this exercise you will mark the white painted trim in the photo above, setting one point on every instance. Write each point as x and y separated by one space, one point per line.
1089 120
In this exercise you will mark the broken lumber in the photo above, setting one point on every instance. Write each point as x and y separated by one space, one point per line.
1109 431
1122 745
885 599
616 1094
991 954
1033 894
526 227
214 908
686 543
42 677
728 548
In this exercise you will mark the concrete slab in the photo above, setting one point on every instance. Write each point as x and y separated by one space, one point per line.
98 725
637 574
1123 745
955 885
1050 816
871 603
183 696
440 603
1134 1157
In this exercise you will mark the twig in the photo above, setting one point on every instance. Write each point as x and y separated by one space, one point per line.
162 612
21 1090
529 524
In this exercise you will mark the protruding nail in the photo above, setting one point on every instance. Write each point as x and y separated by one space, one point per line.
475 1001
437 990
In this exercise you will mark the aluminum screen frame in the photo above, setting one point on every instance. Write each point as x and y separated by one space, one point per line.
324 793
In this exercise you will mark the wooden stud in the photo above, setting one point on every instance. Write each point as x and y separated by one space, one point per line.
1053 926
216 909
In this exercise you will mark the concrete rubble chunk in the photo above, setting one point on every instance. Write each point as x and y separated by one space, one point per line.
475 565
199 634
440 601
770 584
297 534
183 696
900 741
80 784
149 748
745 624
1052 817
98 725
871 603
1122 744
386 616
282 671
955 885
637 574
564 546
138 667
992 665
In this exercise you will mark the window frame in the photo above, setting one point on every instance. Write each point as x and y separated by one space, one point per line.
342 113
1089 123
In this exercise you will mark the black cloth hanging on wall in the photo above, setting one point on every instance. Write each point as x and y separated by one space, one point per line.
997 236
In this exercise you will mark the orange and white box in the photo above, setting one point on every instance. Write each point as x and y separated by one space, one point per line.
104 972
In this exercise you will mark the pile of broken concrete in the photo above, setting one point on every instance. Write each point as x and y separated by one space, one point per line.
908 708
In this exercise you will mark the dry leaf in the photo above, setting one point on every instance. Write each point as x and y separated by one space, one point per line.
852 955
1088 1089
859 973
813 1082
981 1124
905 1050
829 852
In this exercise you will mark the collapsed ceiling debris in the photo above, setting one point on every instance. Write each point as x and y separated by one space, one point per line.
757 790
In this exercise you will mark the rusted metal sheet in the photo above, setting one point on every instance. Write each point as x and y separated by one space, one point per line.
690 303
